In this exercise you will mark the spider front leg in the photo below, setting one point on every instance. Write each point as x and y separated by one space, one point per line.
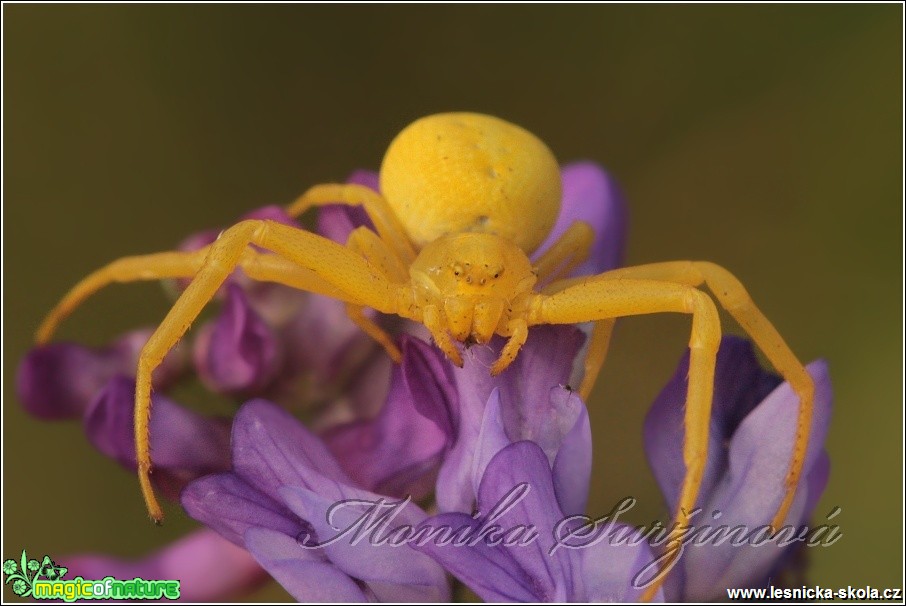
336 265
170 265
733 296
128 269
597 299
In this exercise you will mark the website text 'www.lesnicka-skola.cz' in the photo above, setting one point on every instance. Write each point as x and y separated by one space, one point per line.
815 593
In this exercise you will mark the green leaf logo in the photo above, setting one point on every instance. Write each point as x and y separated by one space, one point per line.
23 574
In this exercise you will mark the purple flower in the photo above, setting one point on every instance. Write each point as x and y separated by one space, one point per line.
260 344
337 222
399 452
186 445
525 458
590 194
509 554
277 499
238 352
59 380
517 447
753 424
532 401
210 569
546 360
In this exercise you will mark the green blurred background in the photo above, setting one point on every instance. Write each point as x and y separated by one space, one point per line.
765 138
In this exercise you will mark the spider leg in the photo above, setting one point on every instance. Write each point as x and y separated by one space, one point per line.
598 345
598 341
374 250
564 255
127 269
597 299
733 297
385 220
164 265
334 264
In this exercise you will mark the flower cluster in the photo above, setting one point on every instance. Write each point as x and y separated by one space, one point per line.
405 474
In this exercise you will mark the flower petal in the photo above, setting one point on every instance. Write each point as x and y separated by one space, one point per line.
329 363
545 361
398 453
272 449
492 438
590 194
610 567
503 555
740 384
561 429
392 571
519 467
306 577
430 381
210 568
281 495
745 473
230 506
753 487
368 178
527 411
488 570
337 221
272 213
180 439
572 465
240 353
60 380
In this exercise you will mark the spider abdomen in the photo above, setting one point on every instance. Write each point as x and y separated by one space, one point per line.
465 172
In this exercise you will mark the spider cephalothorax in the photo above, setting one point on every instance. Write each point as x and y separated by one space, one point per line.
470 285
465 199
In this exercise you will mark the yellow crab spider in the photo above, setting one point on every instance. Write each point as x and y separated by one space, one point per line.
465 199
